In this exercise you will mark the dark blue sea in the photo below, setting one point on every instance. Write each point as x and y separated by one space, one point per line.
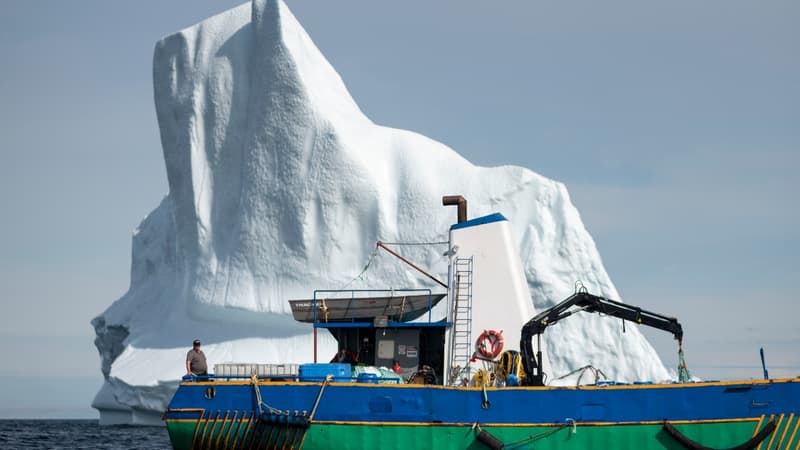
69 434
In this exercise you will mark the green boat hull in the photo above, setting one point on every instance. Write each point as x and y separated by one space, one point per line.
221 433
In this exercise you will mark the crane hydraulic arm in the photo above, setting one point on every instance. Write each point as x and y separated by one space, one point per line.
582 301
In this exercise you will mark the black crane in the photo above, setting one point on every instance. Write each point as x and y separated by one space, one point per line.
582 300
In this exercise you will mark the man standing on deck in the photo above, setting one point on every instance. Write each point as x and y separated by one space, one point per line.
196 361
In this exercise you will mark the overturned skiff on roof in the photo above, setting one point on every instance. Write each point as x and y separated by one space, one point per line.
396 308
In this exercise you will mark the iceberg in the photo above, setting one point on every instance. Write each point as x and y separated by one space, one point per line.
279 184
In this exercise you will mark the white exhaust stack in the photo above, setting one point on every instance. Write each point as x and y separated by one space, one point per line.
499 289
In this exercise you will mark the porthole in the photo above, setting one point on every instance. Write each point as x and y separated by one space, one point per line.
210 393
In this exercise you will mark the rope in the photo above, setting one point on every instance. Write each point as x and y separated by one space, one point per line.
570 423
541 435
455 375
683 371
485 404
254 379
319 397
375 253
357 277
597 372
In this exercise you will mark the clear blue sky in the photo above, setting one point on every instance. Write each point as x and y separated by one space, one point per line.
675 125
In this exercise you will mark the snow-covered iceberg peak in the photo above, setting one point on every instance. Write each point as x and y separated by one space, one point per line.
278 184
247 112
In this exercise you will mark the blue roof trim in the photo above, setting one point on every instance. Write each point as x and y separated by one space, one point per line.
496 217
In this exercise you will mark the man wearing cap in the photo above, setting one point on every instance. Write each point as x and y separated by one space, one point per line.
196 361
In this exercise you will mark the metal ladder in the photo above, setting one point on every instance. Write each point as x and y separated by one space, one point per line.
461 348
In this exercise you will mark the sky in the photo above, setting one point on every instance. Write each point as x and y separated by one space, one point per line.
674 125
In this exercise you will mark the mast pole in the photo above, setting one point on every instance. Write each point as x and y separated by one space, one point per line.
414 266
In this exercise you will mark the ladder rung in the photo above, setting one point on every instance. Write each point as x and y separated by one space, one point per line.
462 344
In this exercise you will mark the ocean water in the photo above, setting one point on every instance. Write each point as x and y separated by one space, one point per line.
78 434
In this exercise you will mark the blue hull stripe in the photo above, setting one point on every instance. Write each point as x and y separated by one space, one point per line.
386 403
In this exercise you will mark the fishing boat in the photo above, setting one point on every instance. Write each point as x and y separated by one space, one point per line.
460 386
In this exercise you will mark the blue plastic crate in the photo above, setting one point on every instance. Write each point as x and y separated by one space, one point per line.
318 371
367 378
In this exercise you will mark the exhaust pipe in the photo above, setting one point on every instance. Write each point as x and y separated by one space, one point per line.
459 200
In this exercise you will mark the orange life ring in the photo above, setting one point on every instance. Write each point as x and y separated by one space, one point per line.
495 343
